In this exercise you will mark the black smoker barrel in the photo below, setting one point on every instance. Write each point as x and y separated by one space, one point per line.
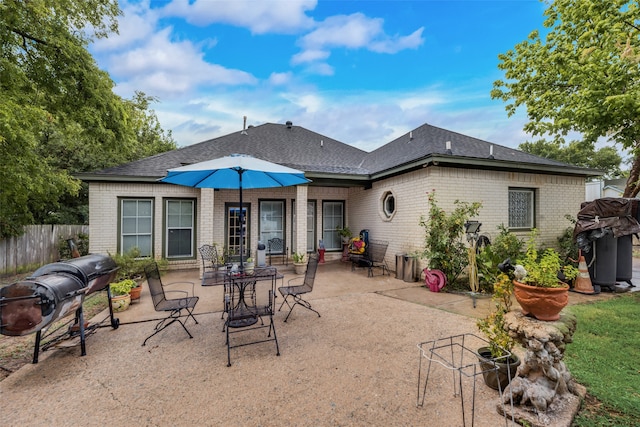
53 292
95 271
30 305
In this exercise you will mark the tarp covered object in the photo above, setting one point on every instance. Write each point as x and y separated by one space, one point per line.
614 215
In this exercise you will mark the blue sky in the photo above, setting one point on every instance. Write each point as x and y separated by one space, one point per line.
362 72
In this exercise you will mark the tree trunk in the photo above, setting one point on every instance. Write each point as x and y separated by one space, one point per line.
633 182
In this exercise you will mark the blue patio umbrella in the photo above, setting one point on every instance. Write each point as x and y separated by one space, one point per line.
235 171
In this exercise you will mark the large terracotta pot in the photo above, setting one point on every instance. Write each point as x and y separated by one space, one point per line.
542 303
135 293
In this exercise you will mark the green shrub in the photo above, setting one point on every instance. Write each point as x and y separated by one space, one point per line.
444 249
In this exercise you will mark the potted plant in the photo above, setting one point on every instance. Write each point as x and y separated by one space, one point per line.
345 234
298 262
540 291
499 364
120 294
131 266
249 266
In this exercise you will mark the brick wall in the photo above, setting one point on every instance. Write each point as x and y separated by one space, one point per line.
555 197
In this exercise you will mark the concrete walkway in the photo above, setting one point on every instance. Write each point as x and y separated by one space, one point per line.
356 365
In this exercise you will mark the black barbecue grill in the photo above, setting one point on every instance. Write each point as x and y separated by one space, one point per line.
51 293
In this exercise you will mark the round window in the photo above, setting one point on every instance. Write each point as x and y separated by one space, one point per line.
388 204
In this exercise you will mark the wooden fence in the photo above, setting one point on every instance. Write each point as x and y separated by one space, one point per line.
36 247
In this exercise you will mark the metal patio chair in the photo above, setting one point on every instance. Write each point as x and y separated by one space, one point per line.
248 299
296 291
173 306
209 256
277 247
373 257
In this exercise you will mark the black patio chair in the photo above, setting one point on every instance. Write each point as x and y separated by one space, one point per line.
209 256
248 299
296 291
374 255
173 306
277 247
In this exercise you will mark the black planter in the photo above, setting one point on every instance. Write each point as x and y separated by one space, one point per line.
497 379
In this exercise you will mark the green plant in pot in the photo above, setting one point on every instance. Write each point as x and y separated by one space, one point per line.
131 266
540 290
498 354
298 262
120 294
249 266
344 233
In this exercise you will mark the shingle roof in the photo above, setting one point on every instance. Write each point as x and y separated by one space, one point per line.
428 140
313 153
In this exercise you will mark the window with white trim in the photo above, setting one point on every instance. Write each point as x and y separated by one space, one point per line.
332 220
521 208
271 220
179 220
136 225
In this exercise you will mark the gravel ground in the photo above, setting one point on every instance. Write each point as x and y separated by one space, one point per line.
357 365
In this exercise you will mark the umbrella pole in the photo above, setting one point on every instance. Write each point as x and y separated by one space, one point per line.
240 171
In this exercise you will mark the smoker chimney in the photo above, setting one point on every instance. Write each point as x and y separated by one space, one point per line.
491 152
289 124
448 145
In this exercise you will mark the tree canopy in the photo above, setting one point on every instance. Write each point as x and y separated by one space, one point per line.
606 159
58 112
583 76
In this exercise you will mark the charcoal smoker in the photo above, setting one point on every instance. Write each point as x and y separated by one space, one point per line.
53 292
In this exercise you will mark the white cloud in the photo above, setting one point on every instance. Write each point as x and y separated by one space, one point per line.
310 55
137 24
321 68
264 16
397 43
355 31
165 68
352 31
279 79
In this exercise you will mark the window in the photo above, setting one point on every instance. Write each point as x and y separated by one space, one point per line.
136 225
311 226
388 205
332 219
521 208
271 220
179 232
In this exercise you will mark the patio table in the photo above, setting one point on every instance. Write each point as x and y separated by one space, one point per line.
245 305
240 290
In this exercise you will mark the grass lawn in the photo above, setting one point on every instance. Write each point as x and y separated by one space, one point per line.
605 358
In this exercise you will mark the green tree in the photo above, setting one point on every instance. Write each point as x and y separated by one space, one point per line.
58 112
577 153
583 76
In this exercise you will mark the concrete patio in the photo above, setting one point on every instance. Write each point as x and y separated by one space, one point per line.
355 365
